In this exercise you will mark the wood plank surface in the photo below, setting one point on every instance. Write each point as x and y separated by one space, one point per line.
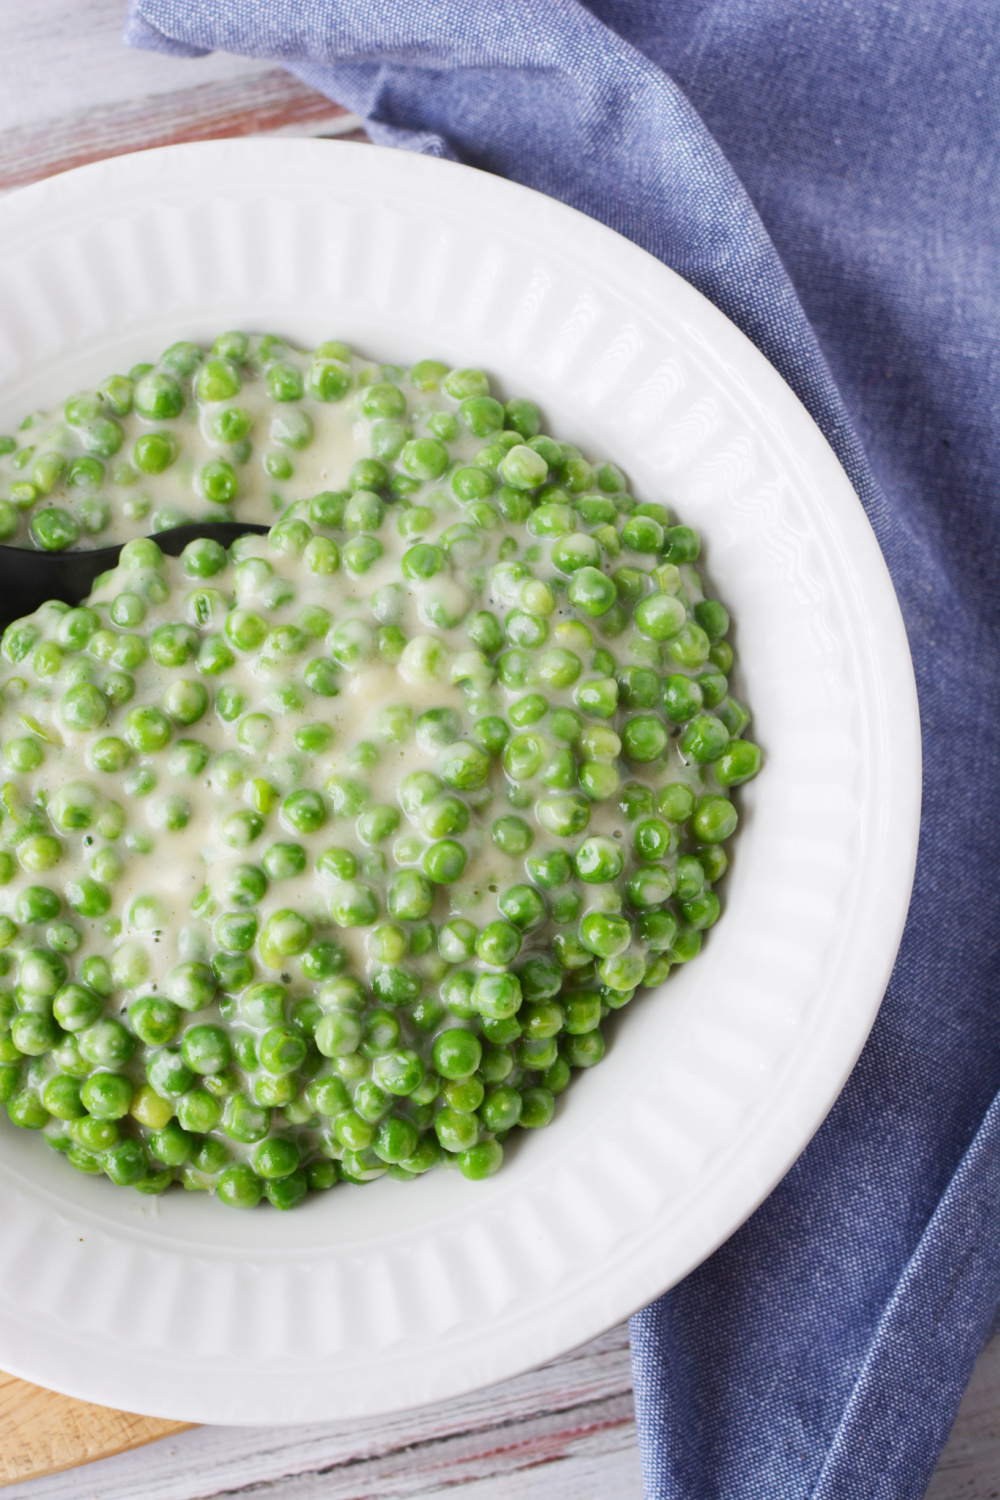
41 1432
274 101
564 1432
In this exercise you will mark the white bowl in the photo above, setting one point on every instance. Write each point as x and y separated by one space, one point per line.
367 1300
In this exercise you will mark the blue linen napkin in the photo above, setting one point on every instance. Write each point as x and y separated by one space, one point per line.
828 173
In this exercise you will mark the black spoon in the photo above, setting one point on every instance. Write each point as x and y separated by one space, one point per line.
28 578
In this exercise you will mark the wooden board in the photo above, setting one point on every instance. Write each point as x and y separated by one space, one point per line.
562 1432
41 1433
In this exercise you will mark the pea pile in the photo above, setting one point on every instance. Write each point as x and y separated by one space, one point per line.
197 436
327 856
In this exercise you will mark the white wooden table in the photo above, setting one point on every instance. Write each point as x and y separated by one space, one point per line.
70 93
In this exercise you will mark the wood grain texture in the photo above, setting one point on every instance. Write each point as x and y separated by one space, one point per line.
564 1432
42 1433
273 101
969 1467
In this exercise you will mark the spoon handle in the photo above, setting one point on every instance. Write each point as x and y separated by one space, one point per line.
28 578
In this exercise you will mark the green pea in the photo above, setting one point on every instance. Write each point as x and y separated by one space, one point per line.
191 985
650 886
276 1158
154 452
560 771
23 754
329 379
465 766
410 896
322 1175
644 737
598 781
523 907
41 972
437 728
217 482
523 469
245 629
355 904
338 1034
424 458
704 739
657 929
604 934
564 814
713 687
714 819
401 1073
523 756
654 839
285 933
734 716
83 708
88 897
682 697
738 763
524 629
598 697
84 473
304 811
158 397
482 415
218 380
36 903
239 1187
537 1108
498 943
680 544
107 1043
714 861
639 687
690 646
676 802
591 591
484 631
550 870
702 911
444 862
501 1109
107 1096
34 1033
444 815
61 1097
206 1049
721 657
456 1131
660 616
53 530
464 384
472 484
284 382
147 729
169 1074
598 860
361 553
491 733
198 1111
232 345
284 861
155 1021
63 937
